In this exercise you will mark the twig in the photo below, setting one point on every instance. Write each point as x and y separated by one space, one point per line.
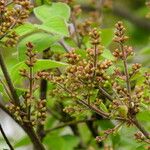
104 92
69 123
6 89
65 46
132 116
28 129
30 90
43 95
5 137
126 70
9 3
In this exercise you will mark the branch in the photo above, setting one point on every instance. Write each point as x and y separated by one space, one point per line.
5 137
43 95
104 92
6 89
126 70
65 46
34 138
29 130
69 123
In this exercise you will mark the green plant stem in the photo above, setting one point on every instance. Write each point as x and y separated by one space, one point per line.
134 120
43 95
69 123
6 89
95 61
9 3
126 70
30 90
104 92
5 137
8 81
65 46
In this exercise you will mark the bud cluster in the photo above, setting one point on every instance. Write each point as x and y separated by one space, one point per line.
72 57
120 33
106 133
11 17
41 115
135 69
35 111
147 78
31 60
11 40
139 136
15 111
84 27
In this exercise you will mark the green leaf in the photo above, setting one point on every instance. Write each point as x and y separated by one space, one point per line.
145 51
81 52
40 65
55 142
107 36
71 142
142 147
45 12
24 29
40 40
55 25
144 115
22 142
105 124
57 48
103 107
107 54
93 94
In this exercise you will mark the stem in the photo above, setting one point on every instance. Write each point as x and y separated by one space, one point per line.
134 120
8 81
95 61
70 123
65 46
106 93
6 89
34 138
29 130
126 70
9 3
43 95
5 137
30 90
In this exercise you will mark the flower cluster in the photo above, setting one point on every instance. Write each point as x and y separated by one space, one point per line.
11 17
31 110
88 82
